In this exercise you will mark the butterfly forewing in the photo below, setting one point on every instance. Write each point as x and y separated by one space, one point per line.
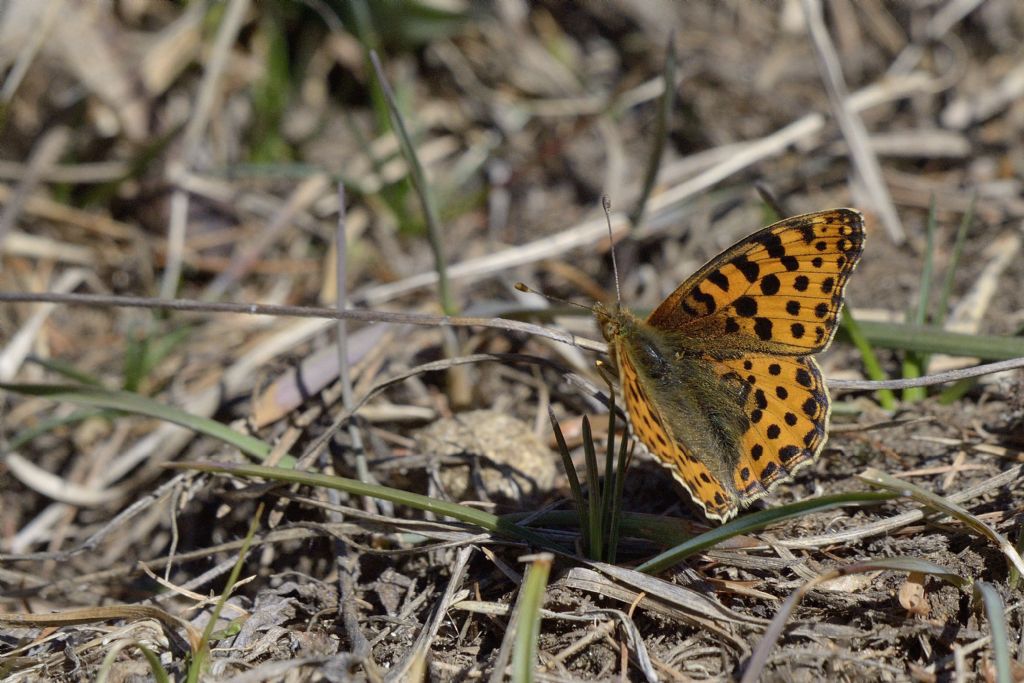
777 291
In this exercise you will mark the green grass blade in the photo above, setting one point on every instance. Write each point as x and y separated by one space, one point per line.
198 664
608 484
150 352
364 29
927 339
49 424
995 612
67 371
664 114
872 367
954 260
616 512
940 504
664 531
136 404
524 651
595 550
574 480
754 522
915 364
419 182
924 290
269 96
956 391
156 669
462 513
132 370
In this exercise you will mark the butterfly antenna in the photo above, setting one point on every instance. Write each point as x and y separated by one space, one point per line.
607 205
526 288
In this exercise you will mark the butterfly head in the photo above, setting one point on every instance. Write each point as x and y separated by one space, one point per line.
607 321
614 323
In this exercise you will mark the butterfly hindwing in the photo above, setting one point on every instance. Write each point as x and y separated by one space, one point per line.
777 291
648 425
787 407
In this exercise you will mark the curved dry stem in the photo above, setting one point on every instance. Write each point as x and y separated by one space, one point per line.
428 320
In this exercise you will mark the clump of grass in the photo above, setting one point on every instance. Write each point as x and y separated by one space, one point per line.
599 508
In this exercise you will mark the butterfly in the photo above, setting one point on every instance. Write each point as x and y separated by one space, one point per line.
718 381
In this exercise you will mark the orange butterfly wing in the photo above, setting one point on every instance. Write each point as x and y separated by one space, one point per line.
777 291
733 341
649 425
787 406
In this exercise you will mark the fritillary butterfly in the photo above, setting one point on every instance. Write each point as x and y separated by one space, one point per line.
718 381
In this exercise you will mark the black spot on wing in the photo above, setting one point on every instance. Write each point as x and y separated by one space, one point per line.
761 399
770 285
720 280
806 229
705 300
787 453
810 408
746 306
773 244
750 270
